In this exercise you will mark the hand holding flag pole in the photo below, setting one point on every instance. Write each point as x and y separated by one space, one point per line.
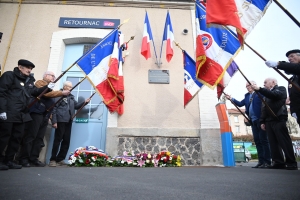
237 107
258 94
277 70
84 104
48 109
40 96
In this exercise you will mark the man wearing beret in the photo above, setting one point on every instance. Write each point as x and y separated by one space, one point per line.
16 88
293 67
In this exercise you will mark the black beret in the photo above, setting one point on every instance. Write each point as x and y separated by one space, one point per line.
25 63
292 51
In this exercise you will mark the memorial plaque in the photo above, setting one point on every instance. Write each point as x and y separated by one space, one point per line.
159 76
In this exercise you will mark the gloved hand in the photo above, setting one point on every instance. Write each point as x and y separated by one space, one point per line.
3 116
294 115
272 64
51 85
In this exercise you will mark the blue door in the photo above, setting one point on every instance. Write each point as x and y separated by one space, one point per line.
89 126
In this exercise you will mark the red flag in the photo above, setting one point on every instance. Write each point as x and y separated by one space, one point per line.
224 12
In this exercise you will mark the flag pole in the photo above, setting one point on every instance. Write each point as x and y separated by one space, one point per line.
39 97
155 54
48 109
177 44
82 106
277 70
288 13
237 108
261 98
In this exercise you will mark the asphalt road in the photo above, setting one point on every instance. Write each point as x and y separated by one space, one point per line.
240 182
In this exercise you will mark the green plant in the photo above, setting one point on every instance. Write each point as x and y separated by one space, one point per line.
254 156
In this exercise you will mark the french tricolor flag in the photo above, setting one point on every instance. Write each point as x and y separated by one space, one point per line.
191 85
101 65
147 37
169 37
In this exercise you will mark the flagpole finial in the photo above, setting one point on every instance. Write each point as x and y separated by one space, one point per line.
131 38
124 22
177 44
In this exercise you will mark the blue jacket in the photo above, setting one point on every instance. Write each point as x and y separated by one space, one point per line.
256 104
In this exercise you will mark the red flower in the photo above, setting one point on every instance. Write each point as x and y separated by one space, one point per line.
174 157
162 153
168 157
165 160
87 161
158 157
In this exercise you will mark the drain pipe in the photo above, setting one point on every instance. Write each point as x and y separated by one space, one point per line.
11 36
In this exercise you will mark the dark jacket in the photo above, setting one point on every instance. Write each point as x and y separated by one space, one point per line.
46 101
256 103
294 93
275 98
15 92
65 109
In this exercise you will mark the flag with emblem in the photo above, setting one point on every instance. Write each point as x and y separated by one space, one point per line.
101 65
191 85
224 12
220 47
248 13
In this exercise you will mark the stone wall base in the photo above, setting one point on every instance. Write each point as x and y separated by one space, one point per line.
195 146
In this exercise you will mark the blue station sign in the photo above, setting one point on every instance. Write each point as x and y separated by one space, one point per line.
88 23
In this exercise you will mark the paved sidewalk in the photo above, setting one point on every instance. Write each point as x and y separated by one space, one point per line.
240 182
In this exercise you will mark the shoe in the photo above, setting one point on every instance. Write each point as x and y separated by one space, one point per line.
61 163
24 163
277 166
38 164
264 166
12 165
258 165
291 167
3 167
52 163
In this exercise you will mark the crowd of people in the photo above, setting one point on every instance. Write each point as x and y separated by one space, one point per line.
25 109
267 111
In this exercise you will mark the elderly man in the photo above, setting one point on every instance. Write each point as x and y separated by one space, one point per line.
252 105
273 120
35 129
62 121
16 87
293 67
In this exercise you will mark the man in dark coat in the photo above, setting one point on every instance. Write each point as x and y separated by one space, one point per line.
35 129
62 120
273 120
16 88
293 67
252 105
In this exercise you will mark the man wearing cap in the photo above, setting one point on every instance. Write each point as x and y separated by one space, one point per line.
16 88
35 129
293 67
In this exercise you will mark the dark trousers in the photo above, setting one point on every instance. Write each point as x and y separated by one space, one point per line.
33 139
10 135
262 143
62 137
280 141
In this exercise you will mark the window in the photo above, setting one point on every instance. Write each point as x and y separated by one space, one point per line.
237 129
236 119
